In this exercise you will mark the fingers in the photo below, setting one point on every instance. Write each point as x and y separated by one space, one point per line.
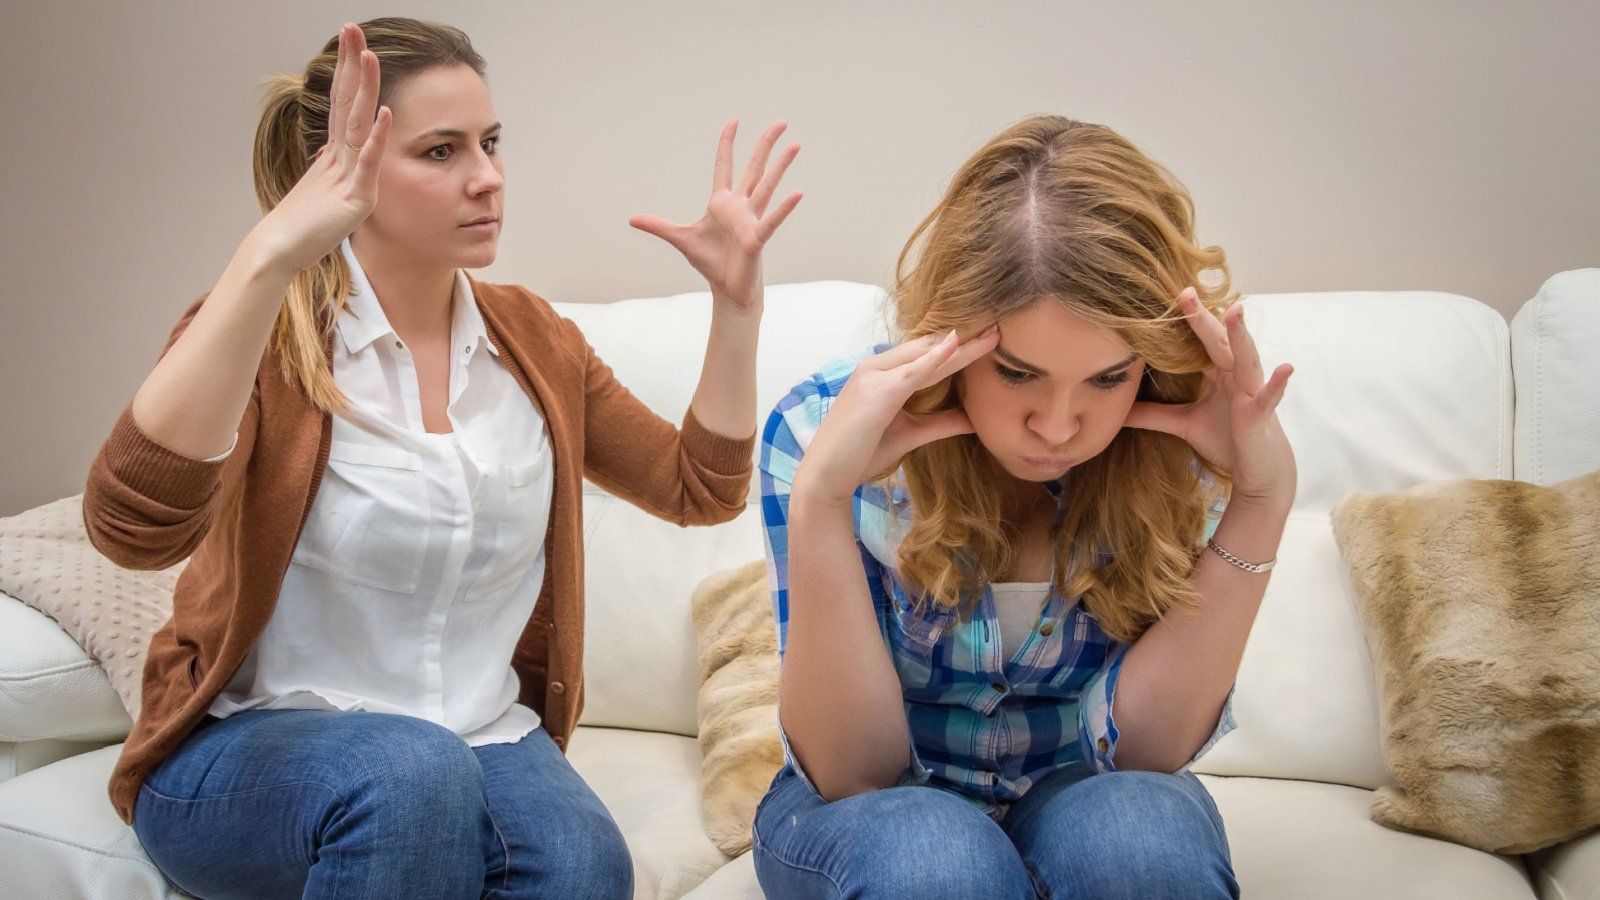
662 228
769 226
372 153
1246 358
917 431
762 194
1207 328
358 128
338 94
758 157
1168 418
970 351
1270 395
722 171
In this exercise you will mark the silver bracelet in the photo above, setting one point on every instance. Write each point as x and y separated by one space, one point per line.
1255 568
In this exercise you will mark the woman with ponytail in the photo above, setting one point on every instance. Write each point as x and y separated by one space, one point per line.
1064 489
373 464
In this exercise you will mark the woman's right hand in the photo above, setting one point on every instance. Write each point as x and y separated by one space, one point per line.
867 428
340 189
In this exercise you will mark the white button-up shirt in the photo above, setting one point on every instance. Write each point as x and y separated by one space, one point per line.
423 554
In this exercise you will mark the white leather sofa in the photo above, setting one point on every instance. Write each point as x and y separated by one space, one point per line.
1391 389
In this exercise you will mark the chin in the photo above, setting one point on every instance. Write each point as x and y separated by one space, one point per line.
477 257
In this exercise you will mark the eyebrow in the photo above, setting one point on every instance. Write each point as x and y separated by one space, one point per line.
1024 366
454 133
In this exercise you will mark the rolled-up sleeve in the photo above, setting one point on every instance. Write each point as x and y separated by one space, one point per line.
1097 718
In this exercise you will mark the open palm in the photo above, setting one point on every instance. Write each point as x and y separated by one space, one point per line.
725 244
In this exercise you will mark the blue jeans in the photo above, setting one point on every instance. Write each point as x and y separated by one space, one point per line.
292 803
1071 837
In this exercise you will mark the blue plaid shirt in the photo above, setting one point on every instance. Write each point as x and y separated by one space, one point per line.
985 723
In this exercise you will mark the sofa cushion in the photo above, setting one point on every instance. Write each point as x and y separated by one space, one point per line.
60 837
651 784
49 687
47 562
1553 338
1477 599
1568 871
1304 698
1301 841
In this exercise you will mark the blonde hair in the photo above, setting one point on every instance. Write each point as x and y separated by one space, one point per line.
1053 210
294 125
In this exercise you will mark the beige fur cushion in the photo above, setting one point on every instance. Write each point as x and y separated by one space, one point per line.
1480 601
47 562
739 747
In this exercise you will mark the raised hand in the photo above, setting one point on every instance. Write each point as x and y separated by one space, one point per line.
340 189
1234 424
725 244
867 428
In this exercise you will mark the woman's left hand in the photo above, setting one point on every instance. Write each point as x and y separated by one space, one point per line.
725 245
1234 424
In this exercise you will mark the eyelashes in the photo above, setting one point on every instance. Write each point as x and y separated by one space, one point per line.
1101 382
444 152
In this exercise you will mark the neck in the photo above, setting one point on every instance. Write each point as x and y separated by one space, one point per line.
415 298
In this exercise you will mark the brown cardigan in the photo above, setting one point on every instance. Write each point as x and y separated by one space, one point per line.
238 520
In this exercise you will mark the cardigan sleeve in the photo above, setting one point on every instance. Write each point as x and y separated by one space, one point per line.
688 475
146 506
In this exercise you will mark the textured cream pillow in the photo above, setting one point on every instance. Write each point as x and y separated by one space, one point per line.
739 747
47 562
1480 601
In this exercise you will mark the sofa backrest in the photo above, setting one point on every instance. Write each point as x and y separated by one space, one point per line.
1390 389
641 666
1554 339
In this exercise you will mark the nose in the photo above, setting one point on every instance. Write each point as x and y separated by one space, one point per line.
1056 422
486 177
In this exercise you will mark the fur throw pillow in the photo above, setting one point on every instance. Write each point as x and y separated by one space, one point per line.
740 752
47 562
1480 601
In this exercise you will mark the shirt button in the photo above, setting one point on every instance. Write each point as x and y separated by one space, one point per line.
999 688
399 345
559 741
1047 629
557 687
1104 745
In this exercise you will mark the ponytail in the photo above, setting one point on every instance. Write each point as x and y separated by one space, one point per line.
316 295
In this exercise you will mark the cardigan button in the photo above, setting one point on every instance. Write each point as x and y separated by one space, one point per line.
557 687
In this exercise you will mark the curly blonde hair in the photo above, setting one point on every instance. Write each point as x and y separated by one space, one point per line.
1054 210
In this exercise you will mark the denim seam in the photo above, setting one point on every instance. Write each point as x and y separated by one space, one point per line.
505 847
237 794
765 847
794 865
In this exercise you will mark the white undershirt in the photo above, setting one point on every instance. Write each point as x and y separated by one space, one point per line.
1017 605
423 554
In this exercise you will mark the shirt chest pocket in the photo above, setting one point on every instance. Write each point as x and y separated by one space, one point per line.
519 529
371 520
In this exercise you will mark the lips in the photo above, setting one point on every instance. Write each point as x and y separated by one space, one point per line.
482 220
1048 463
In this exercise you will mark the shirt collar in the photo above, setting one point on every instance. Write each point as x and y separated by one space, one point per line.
363 321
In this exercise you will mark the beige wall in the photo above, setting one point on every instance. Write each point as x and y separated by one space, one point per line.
1388 145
